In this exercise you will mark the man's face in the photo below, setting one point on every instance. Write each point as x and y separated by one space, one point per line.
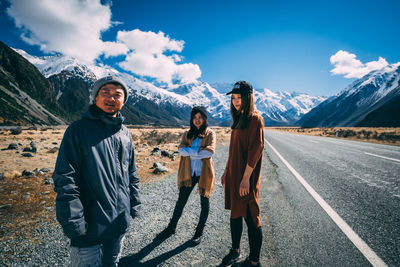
110 98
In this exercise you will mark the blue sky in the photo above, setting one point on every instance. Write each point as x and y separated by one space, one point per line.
279 45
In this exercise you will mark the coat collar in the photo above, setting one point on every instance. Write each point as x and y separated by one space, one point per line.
105 119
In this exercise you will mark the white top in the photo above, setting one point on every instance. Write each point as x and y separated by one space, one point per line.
195 156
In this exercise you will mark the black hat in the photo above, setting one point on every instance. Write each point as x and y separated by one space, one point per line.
241 87
198 109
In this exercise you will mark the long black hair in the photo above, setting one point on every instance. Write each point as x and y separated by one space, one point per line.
193 131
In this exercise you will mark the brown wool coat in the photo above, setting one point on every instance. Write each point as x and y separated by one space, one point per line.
246 147
207 175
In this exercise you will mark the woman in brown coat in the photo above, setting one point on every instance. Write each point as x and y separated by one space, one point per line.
196 166
241 177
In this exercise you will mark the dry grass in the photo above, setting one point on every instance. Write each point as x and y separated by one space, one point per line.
379 135
19 215
11 161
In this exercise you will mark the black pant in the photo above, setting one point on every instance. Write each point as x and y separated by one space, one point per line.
184 194
254 232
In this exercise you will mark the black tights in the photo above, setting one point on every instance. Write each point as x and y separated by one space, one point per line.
184 194
254 232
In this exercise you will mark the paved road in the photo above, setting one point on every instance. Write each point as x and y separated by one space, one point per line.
360 181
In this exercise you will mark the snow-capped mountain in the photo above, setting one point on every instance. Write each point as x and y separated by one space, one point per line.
364 96
277 108
284 108
51 65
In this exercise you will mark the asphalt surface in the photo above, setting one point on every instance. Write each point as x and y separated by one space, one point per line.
355 180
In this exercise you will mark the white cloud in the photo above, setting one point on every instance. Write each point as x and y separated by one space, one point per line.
347 64
71 27
111 49
147 58
187 73
149 42
74 28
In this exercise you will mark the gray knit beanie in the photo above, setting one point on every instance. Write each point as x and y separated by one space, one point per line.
105 80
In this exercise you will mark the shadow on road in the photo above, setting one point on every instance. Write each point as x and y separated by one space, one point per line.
134 259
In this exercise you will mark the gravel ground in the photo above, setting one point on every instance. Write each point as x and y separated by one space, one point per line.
158 202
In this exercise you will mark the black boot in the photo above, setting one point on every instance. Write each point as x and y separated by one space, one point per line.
205 208
196 239
231 257
247 263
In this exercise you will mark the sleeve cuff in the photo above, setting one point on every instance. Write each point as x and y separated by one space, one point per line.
76 229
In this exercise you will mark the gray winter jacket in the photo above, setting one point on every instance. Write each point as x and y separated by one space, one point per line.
95 180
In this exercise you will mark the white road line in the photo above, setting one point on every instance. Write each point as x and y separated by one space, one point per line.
397 160
314 141
346 229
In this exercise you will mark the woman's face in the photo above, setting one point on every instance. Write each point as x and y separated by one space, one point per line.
237 101
198 120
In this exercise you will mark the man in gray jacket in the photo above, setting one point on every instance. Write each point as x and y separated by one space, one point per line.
95 178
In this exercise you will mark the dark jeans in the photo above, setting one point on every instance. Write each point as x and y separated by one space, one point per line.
106 254
254 232
184 194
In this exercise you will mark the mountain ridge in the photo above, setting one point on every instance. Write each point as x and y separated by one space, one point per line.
179 97
351 106
26 96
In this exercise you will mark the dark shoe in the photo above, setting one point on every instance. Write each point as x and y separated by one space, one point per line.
196 239
231 258
247 263
164 234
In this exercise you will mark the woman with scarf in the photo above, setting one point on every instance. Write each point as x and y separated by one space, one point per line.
241 177
196 167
